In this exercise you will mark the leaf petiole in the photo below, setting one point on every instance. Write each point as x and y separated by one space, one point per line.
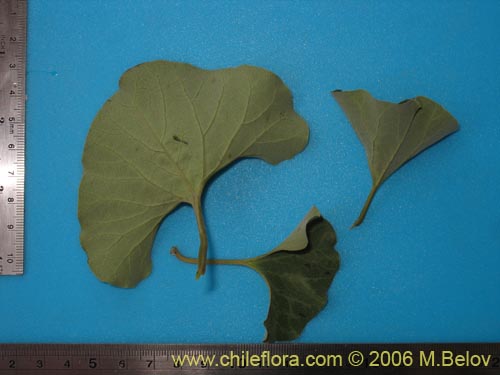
368 202
234 262
202 230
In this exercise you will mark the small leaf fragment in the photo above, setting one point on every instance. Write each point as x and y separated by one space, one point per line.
156 143
298 272
393 133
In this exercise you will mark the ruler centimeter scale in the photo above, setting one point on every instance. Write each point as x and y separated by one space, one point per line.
13 24
269 359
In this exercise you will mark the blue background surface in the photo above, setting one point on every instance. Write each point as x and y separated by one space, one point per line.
424 266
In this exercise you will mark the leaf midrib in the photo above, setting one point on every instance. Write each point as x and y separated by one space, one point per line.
400 144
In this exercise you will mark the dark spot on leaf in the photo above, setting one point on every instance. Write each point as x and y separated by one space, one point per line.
177 139
302 314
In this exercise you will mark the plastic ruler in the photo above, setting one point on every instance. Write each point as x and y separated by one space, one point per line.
271 359
13 23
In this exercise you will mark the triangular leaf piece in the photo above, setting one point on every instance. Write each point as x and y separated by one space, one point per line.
298 272
157 142
393 133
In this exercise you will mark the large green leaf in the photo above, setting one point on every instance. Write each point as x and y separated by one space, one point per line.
298 273
158 140
393 133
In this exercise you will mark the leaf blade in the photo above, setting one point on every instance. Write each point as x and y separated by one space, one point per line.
298 278
160 138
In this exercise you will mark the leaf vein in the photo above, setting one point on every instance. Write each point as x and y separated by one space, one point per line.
138 170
